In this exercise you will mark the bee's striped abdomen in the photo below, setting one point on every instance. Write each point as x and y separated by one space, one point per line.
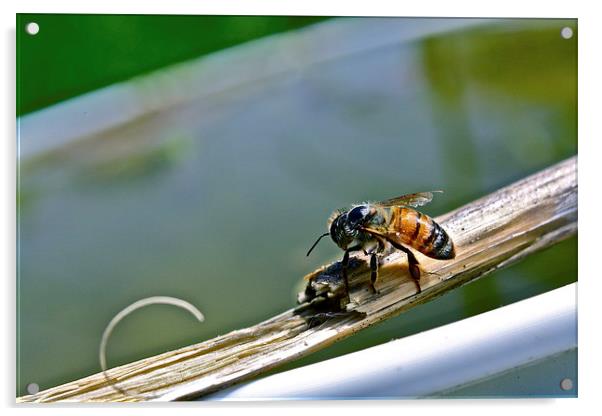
421 232
437 243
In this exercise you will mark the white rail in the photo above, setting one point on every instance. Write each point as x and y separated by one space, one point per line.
434 361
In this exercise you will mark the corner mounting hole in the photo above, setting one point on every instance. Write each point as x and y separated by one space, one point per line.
33 388
32 28
566 32
566 384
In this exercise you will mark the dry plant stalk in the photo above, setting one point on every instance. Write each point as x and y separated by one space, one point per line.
489 233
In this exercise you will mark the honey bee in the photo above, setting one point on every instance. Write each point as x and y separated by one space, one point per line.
371 226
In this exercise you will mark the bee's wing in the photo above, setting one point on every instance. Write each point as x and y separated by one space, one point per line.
389 234
409 200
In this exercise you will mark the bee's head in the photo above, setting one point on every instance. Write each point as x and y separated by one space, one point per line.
344 226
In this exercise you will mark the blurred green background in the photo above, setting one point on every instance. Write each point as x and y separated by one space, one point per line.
215 198
77 53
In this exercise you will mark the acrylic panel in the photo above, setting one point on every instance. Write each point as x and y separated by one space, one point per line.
198 157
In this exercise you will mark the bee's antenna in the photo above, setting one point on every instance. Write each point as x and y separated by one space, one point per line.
316 243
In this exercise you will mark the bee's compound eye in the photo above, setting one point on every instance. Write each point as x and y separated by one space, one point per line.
333 228
357 214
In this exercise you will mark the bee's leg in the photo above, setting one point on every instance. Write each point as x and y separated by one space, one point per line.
373 271
413 265
414 268
344 266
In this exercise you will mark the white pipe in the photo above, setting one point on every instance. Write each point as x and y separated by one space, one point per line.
435 360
